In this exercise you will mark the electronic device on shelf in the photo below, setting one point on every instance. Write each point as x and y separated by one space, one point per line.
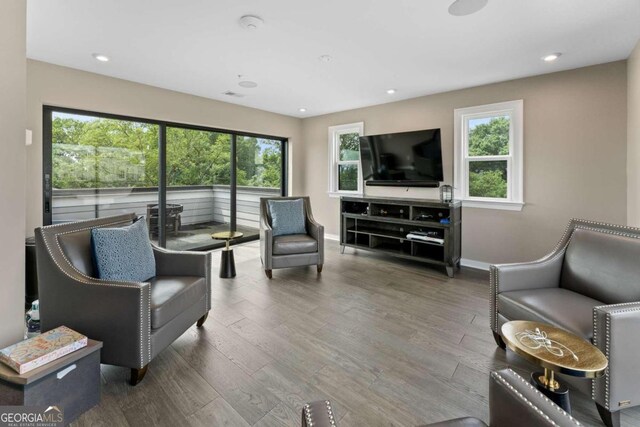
425 238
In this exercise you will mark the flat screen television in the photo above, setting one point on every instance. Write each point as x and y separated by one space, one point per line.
407 159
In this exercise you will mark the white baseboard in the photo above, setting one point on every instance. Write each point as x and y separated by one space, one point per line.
332 237
479 265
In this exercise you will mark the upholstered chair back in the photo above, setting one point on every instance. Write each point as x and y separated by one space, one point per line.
603 264
264 205
75 243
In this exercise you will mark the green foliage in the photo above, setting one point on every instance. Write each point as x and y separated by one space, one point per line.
490 139
489 178
489 183
104 153
348 178
350 146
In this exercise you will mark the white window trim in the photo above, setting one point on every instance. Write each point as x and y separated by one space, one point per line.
334 161
515 168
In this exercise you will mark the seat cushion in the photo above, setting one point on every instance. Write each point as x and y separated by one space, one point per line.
556 306
287 217
123 253
171 295
294 244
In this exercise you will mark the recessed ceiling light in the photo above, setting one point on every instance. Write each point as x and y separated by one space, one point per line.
466 7
100 57
325 58
302 110
391 91
248 84
551 57
251 22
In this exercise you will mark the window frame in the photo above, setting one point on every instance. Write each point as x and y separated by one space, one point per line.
335 162
515 169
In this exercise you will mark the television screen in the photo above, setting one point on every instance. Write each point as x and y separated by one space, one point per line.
405 156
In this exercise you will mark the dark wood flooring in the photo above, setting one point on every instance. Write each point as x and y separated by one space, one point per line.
389 342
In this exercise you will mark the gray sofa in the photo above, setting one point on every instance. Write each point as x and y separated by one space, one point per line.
135 321
590 285
294 250
512 402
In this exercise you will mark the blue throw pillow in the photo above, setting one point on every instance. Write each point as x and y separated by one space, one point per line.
123 253
287 217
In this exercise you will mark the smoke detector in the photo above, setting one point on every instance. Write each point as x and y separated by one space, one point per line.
251 22
466 7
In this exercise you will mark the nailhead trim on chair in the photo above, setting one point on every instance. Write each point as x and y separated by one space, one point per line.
608 341
307 414
98 282
537 392
494 275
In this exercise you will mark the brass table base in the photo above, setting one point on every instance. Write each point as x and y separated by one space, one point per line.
557 393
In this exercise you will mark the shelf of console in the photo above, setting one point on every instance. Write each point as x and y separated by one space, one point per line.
381 225
398 255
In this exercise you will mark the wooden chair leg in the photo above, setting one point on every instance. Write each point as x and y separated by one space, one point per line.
610 419
202 320
499 341
137 375
319 268
269 273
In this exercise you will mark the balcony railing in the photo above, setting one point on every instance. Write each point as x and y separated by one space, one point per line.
201 204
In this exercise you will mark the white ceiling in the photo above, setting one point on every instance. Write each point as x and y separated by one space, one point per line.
414 46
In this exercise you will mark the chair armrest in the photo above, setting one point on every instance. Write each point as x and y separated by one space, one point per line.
266 242
616 332
182 263
512 400
116 313
316 231
543 273
185 263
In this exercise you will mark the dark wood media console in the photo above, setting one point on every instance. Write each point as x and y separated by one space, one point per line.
382 225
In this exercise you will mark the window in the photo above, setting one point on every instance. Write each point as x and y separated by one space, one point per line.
345 176
200 180
488 156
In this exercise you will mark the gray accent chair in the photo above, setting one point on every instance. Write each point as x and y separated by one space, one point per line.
294 250
134 320
512 402
589 285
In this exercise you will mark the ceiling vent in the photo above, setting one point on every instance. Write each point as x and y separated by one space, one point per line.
234 94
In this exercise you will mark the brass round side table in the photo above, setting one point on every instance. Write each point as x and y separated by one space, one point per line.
227 264
557 351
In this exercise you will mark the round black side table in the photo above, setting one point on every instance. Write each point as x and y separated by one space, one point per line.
227 264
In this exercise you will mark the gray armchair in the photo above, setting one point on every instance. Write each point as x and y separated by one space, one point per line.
590 285
512 402
292 250
135 321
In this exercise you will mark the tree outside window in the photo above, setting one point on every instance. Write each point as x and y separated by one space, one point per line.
344 149
488 155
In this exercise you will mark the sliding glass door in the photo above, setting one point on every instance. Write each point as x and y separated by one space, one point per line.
98 167
194 180
198 184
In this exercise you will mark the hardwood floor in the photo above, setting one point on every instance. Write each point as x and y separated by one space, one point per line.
389 342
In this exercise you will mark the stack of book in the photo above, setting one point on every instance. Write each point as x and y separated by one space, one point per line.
30 354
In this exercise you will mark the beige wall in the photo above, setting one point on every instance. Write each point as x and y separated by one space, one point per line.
65 87
12 168
633 137
575 157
